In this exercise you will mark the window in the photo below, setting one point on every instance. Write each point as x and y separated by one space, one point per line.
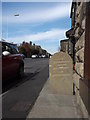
14 49
5 47
10 48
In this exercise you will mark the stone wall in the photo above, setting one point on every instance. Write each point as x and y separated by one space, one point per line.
64 45
80 42
67 46
80 19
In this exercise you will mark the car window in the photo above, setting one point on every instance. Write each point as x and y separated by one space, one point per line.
10 48
14 49
5 47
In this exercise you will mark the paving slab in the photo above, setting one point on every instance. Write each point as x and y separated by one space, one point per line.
50 105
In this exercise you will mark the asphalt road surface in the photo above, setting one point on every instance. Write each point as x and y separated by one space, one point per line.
20 95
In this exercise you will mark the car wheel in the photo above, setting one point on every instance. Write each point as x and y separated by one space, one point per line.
21 72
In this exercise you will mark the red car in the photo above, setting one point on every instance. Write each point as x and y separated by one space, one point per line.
12 61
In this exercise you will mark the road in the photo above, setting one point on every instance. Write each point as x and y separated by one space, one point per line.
18 99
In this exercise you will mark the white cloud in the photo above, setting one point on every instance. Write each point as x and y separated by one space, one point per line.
43 15
54 34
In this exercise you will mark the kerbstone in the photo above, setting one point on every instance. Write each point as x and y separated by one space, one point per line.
60 73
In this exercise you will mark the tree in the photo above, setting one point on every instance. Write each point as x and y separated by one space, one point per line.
27 48
22 50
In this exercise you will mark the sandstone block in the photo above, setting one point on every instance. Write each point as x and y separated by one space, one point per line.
76 78
80 43
80 55
61 73
79 67
76 33
83 23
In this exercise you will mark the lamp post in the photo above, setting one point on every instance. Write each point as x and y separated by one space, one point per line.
16 15
7 27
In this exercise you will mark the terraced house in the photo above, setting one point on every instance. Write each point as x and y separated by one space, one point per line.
79 35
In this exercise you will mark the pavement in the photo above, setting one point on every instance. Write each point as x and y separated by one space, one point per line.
50 105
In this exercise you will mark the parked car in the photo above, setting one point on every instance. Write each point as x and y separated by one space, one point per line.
12 62
34 56
23 56
43 56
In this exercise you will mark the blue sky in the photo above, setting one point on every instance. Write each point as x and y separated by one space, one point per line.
43 23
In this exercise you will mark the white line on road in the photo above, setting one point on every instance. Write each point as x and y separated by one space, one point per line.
4 93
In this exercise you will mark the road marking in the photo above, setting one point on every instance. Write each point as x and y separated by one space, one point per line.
4 93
